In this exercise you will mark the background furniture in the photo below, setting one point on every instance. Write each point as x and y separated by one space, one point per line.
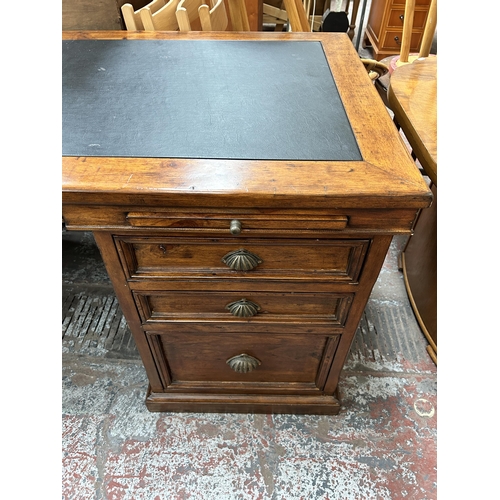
412 97
299 22
162 19
214 18
242 245
384 29
297 16
184 15
331 16
244 15
427 37
107 15
132 18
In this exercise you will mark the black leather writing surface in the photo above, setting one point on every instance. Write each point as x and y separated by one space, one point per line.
202 99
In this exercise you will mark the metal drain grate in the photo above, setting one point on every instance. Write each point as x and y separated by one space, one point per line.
93 324
388 334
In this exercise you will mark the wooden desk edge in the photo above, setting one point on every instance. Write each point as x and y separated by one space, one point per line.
394 178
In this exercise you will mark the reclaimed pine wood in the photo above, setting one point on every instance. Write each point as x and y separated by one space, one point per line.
163 226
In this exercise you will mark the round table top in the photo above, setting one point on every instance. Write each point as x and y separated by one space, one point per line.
412 96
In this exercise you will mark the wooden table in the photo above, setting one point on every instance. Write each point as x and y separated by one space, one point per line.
243 191
412 96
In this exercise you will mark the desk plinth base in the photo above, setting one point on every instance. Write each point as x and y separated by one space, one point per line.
242 403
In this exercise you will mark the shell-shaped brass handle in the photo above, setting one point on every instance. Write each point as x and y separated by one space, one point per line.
241 260
243 308
243 363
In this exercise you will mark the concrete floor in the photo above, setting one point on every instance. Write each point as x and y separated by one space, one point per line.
382 445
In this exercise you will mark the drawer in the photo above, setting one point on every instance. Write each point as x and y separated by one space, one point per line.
392 40
283 223
396 19
235 224
243 307
418 3
329 259
245 360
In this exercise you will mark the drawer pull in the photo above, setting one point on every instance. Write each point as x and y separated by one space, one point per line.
243 308
241 260
235 227
243 363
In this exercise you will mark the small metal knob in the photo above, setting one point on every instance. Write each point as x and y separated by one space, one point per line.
402 17
396 39
235 227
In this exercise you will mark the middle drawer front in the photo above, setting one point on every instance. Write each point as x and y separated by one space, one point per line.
248 258
254 307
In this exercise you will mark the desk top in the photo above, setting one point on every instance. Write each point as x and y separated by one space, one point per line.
354 158
226 99
412 96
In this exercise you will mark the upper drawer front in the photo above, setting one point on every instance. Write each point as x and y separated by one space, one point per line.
418 3
335 260
248 307
396 19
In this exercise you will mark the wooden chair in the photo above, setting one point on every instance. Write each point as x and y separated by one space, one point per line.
297 16
411 93
275 14
292 12
336 17
429 31
164 19
375 69
214 19
412 96
211 19
187 13
404 57
238 15
132 19
298 21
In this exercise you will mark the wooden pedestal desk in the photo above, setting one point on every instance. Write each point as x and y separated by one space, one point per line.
243 190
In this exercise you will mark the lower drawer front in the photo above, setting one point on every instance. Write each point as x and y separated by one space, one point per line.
392 40
151 257
243 359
